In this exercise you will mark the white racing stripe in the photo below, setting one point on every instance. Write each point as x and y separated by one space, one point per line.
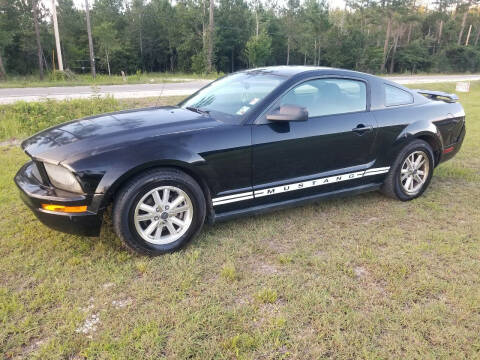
297 186
232 198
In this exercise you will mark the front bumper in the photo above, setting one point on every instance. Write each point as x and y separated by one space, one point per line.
34 194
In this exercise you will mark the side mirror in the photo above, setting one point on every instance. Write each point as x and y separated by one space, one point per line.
289 113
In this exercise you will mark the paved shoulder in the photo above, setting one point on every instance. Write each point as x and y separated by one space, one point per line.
10 95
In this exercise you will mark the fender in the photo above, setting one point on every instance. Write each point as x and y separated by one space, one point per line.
422 129
109 179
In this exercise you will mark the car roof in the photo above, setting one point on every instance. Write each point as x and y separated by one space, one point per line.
289 71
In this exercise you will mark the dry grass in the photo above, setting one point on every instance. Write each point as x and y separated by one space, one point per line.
360 277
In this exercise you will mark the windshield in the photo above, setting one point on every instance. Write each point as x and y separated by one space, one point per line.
234 95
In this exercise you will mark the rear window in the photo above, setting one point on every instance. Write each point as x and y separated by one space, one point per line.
395 96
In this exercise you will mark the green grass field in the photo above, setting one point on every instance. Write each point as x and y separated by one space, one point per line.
101 79
360 277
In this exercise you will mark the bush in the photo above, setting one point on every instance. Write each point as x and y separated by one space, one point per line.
57 76
458 58
413 57
198 63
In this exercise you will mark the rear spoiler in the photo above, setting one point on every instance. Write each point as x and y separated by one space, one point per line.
438 95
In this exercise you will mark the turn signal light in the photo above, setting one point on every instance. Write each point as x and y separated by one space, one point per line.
65 209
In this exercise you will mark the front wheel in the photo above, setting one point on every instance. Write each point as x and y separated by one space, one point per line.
411 172
159 211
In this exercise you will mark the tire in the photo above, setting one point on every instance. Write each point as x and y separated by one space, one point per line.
397 185
149 224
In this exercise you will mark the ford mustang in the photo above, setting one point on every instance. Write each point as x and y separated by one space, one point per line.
249 142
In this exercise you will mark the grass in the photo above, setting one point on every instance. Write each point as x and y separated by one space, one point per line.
359 277
101 79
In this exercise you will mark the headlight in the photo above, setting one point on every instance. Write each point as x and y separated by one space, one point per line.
62 178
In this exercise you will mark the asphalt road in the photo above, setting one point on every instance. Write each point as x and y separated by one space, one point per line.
11 95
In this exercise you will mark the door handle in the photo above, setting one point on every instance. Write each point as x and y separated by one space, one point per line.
361 129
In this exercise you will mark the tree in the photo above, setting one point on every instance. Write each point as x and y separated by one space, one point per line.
105 34
7 31
57 35
258 49
37 37
291 21
236 22
90 41
204 35
211 33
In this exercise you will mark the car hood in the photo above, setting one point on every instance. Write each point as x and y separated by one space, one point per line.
59 142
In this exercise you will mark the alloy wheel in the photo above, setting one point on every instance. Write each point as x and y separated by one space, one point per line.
414 172
163 215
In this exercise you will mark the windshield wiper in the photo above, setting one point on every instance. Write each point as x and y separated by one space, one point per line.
198 110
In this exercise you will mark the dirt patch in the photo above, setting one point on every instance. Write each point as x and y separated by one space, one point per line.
34 345
266 269
118 304
367 279
89 326
11 142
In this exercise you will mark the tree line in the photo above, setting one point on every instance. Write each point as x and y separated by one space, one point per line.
226 35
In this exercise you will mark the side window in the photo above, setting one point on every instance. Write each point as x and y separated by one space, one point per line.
395 96
328 96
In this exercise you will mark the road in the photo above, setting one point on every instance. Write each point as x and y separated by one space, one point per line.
11 95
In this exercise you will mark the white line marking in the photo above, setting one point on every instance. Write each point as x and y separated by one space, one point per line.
298 186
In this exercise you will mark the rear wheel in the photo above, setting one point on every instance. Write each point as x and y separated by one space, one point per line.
411 172
159 211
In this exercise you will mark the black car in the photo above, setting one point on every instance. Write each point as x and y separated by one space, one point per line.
253 141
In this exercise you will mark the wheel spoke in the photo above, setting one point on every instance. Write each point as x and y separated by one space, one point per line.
145 217
147 208
420 172
177 221
409 162
418 178
421 164
178 209
412 183
156 198
408 182
166 195
158 233
177 201
417 162
170 227
151 227
404 176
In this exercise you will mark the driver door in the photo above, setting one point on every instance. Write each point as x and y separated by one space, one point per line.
338 138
